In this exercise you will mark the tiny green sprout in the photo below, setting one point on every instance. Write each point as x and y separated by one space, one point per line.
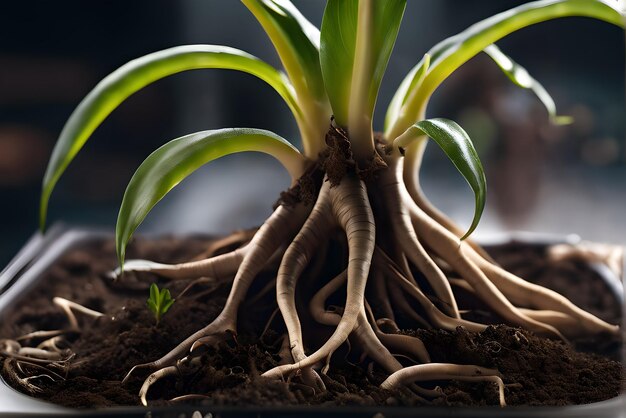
159 302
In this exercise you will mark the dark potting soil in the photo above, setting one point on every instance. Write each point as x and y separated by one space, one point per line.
536 370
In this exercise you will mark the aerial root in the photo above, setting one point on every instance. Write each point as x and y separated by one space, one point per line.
506 289
444 371
529 294
452 251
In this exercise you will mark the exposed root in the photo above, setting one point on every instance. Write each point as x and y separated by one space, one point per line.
412 346
295 260
218 267
351 209
26 364
443 371
405 235
190 397
279 227
68 307
414 259
152 379
237 238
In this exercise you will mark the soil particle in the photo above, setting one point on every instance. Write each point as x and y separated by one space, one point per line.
337 160
537 371
305 190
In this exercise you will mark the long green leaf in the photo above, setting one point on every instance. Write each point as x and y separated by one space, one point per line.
457 145
338 48
297 43
135 75
174 161
296 40
453 52
518 75
408 83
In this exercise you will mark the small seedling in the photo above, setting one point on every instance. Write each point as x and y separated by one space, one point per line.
159 302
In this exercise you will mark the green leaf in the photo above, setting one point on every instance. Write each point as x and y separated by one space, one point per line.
408 84
174 161
296 40
159 302
135 75
297 43
518 75
168 303
457 145
453 52
154 293
338 50
152 306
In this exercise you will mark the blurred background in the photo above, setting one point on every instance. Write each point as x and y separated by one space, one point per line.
540 177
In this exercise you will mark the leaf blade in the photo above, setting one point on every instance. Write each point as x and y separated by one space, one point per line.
458 147
451 53
520 77
177 159
133 76
338 50
297 42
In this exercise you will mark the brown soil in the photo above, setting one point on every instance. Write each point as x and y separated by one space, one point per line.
537 371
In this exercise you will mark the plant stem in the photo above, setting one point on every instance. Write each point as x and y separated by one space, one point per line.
359 114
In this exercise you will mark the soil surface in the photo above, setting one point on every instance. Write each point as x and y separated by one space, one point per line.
536 371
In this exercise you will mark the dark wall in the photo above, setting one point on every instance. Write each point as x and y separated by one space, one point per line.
53 53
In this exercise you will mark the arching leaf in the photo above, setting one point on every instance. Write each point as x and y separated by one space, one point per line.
453 52
297 43
457 145
135 75
174 161
518 75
